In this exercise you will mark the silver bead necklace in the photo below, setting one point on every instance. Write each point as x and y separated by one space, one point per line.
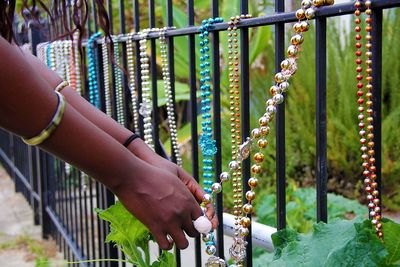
132 85
118 84
106 77
146 106
170 101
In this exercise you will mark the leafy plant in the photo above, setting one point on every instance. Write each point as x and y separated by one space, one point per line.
301 208
340 243
132 237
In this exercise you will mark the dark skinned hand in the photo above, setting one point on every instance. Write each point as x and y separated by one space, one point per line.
141 150
163 203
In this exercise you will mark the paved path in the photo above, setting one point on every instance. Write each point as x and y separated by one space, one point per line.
17 231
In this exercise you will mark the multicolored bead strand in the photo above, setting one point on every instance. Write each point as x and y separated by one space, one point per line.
206 142
94 97
106 77
118 83
367 131
259 134
132 85
168 95
146 106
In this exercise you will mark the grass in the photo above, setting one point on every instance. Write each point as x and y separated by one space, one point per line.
39 251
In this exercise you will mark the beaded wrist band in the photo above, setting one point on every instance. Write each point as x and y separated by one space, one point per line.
61 86
52 126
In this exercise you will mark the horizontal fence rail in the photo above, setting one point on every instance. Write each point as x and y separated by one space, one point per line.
64 198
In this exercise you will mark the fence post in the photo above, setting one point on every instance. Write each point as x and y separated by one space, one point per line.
37 158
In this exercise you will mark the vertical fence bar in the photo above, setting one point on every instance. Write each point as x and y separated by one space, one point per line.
377 92
35 38
82 211
125 90
153 70
245 93
136 18
216 73
280 125
321 135
94 14
193 112
171 63
171 67
45 220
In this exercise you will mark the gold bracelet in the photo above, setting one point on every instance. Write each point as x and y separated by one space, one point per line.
52 126
61 86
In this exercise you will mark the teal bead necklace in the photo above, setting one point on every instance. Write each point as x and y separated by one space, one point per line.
206 141
94 97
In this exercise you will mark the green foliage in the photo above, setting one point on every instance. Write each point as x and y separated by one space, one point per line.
132 237
343 147
301 208
340 243
181 93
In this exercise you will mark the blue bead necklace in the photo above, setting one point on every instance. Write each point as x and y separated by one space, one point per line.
206 141
94 97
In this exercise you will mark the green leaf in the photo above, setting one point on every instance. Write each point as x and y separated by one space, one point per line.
392 241
182 92
261 40
301 211
126 232
129 234
363 250
165 260
340 243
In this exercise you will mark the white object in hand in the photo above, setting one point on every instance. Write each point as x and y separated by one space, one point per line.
202 225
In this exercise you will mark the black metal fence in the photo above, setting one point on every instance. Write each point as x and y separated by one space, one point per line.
63 198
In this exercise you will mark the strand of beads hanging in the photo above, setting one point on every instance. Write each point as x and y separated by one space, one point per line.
234 90
132 85
67 60
365 109
235 121
78 81
258 139
170 100
106 76
146 106
94 98
57 59
118 83
206 142
72 68
51 57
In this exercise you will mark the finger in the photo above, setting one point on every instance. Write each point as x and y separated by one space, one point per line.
189 229
211 215
192 185
197 212
162 241
180 239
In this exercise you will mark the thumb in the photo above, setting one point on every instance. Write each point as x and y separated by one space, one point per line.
191 185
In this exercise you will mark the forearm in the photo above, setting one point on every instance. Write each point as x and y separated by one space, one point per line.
27 103
101 120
